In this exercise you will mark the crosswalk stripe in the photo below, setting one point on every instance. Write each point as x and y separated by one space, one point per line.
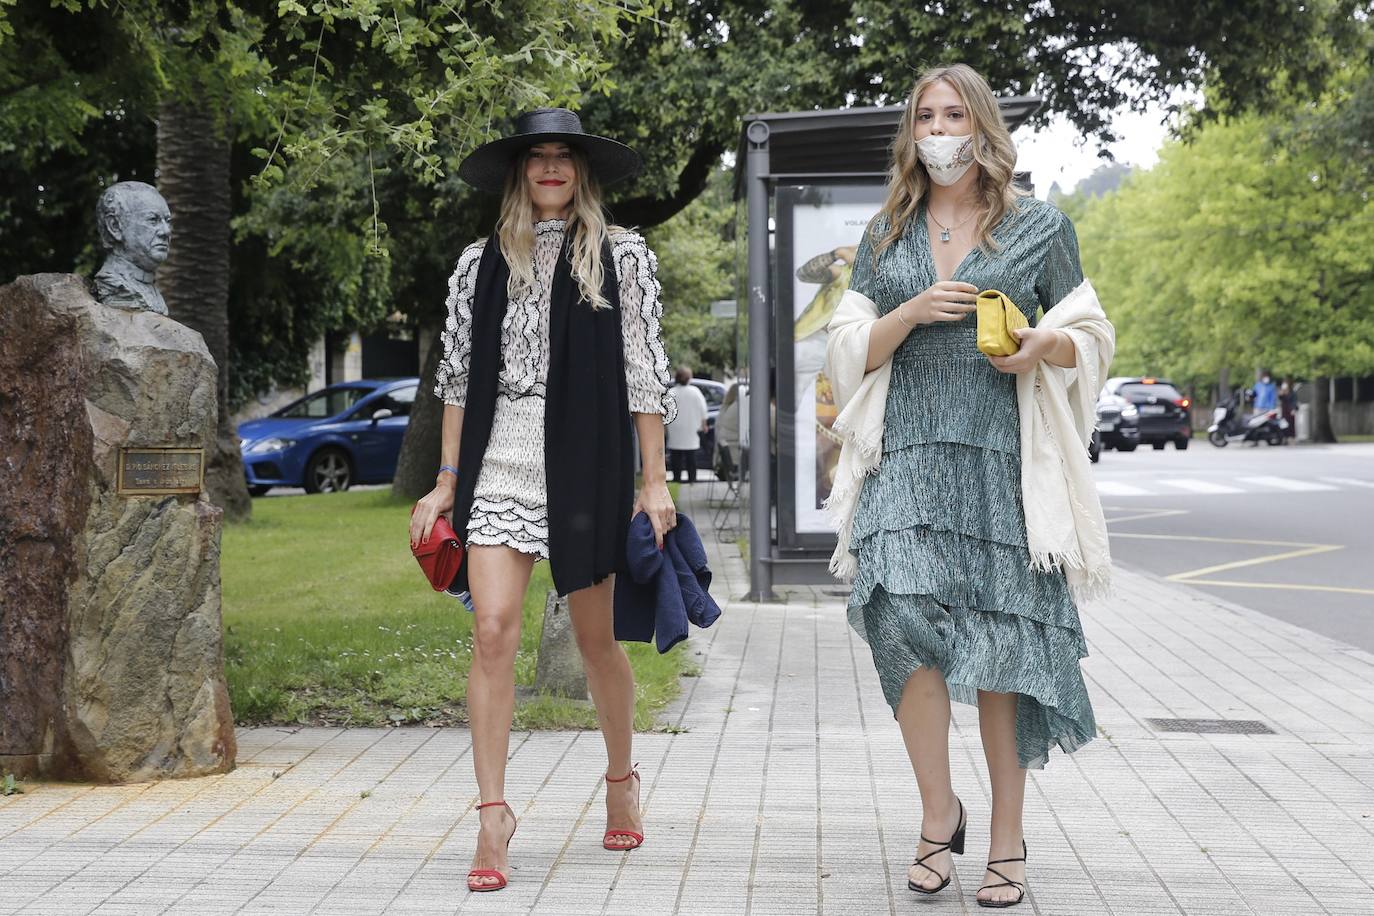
1350 482
1287 483
1199 486
1109 488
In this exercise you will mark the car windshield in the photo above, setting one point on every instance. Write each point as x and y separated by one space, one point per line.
713 394
321 404
1139 391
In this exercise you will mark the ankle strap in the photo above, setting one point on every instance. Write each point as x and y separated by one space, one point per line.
494 804
634 771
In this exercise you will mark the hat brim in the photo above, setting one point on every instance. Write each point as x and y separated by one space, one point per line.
485 168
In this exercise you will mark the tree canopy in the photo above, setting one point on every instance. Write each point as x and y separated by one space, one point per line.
1251 245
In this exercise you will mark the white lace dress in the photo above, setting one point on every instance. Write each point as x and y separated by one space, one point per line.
510 505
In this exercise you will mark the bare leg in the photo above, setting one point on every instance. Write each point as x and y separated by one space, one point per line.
923 715
498 577
612 684
997 723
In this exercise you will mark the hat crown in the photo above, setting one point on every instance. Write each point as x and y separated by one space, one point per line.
548 120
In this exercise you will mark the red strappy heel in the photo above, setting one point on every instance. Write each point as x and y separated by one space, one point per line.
614 833
492 872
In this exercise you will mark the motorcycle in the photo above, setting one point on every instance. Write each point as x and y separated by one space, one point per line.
1227 426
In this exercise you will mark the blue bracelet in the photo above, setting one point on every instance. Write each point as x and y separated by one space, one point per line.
448 467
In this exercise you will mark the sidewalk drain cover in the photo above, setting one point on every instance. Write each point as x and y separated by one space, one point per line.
1212 726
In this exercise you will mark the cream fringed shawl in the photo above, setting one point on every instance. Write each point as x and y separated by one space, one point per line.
1064 524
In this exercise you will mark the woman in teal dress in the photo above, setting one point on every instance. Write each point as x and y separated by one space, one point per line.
944 591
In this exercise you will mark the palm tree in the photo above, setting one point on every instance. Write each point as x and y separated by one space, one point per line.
193 147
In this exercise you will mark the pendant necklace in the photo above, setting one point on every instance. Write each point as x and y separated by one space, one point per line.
945 230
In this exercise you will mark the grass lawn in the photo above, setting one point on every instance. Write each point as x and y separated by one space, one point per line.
328 620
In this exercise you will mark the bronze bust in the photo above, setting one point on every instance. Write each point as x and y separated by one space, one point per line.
136 229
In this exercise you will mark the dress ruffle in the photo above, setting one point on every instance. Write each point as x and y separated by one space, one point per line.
944 580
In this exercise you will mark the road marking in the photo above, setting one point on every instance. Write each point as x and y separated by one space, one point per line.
1200 486
1287 483
1140 513
1120 489
1350 482
1281 585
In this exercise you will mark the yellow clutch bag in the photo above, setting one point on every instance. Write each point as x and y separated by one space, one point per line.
998 316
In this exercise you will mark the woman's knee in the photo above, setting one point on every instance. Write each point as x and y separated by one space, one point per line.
496 637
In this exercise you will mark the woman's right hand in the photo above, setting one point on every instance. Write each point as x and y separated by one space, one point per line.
946 300
427 511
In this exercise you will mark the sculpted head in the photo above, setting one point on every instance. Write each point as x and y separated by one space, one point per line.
135 223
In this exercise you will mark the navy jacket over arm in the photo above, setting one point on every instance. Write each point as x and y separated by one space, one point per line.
665 589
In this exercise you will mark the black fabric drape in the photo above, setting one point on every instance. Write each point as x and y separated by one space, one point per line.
588 451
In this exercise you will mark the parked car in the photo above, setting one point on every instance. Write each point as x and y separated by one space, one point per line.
1163 409
328 441
1118 423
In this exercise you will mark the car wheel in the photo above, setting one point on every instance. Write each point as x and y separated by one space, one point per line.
1125 446
258 491
1181 444
1158 446
329 471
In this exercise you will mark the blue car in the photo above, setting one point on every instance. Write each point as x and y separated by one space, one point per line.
330 440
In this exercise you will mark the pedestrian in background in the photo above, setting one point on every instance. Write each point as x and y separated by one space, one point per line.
552 331
685 431
962 590
1288 406
727 429
1266 395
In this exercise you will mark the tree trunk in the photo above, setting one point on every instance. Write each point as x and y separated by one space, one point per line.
193 175
1322 430
418 462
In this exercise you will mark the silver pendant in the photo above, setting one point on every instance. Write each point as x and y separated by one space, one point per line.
944 235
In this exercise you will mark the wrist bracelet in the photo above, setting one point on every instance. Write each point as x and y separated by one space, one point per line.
902 318
448 467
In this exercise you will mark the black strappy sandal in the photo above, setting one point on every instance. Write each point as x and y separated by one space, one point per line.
1005 882
955 845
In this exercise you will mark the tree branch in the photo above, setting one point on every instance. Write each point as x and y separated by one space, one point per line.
646 211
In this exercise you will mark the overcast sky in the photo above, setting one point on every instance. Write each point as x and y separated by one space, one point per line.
1058 152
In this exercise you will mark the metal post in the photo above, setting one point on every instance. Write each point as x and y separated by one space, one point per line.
760 337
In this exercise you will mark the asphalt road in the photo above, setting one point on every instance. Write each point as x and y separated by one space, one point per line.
1286 531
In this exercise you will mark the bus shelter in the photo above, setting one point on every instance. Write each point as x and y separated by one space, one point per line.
811 181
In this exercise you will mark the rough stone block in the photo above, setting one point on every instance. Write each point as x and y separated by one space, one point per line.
558 669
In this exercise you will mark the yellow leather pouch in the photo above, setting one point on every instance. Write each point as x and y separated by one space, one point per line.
998 316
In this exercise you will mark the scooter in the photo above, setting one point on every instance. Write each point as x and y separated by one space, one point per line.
1267 426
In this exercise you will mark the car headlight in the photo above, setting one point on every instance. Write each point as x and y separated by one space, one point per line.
1130 410
272 444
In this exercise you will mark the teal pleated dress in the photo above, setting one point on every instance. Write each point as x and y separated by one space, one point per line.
944 577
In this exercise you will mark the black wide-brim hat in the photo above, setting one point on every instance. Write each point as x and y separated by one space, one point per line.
486 167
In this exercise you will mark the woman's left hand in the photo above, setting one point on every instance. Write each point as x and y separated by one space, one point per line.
655 501
1036 344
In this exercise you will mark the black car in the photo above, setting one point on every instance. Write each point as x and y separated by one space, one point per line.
1118 423
1163 409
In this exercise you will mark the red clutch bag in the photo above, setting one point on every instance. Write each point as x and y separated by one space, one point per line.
441 555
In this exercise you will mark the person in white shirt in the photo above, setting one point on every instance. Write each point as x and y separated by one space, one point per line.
684 433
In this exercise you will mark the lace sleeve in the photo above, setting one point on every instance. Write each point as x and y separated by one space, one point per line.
646 362
451 378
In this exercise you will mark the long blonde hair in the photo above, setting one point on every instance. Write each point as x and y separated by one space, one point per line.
515 229
908 182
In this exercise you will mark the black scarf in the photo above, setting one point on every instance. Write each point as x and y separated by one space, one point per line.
588 456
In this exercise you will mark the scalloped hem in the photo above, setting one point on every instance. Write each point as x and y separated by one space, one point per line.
984 650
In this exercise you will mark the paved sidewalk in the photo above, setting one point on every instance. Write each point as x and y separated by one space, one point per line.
782 787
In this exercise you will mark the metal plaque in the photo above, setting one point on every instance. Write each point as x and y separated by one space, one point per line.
159 471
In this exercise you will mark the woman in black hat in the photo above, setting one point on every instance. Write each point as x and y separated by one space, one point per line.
552 350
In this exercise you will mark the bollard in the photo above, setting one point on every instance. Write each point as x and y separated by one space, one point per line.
558 668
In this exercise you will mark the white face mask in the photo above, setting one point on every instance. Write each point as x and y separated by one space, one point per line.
946 158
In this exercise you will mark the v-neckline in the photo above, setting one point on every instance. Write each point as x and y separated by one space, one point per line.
929 247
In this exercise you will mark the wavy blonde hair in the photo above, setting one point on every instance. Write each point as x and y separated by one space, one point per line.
586 223
908 182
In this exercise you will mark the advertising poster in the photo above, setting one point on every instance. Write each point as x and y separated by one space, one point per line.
824 228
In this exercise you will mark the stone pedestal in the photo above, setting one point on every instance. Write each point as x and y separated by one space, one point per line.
111 657
558 668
